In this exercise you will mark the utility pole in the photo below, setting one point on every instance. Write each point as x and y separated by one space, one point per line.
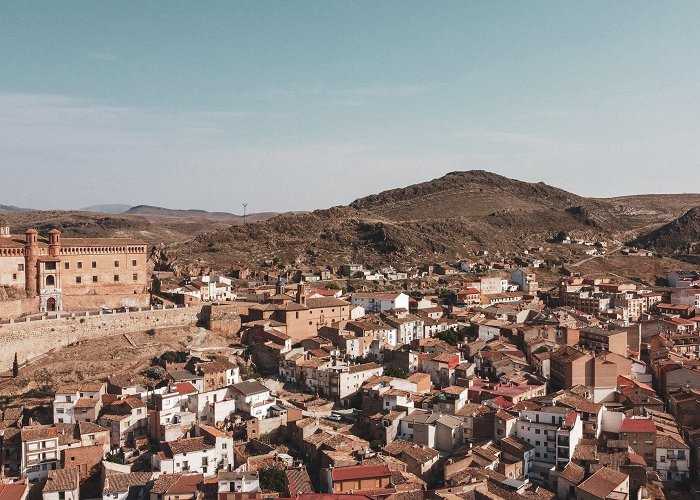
245 206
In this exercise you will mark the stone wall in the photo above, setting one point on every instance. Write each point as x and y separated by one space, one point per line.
19 307
30 339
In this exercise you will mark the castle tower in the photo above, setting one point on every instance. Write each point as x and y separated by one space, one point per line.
4 228
31 256
54 243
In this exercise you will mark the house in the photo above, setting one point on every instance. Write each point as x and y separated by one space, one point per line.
356 478
61 484
253 398
205 454
641 435
118 486
672 457
605 483
238 482
127 420
520 452
380 302
39 451
527 282
78 402
14 491
177 487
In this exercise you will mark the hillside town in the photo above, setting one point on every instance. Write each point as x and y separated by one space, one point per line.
491 385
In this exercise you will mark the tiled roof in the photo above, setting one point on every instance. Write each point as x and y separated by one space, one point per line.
603 482
250 387
360 472
15 491
187 445
35 433
573 473
637 425
61 480
298 482
119 483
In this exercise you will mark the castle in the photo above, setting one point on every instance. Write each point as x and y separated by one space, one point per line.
56 273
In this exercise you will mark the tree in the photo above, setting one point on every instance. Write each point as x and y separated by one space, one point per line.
395 371
376 445
272 479
450 336
15 367
561 236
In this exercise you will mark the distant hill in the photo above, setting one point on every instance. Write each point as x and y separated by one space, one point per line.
152 212
442 219
10 208
114 208
680 236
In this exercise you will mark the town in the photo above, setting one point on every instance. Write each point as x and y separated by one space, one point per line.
351 381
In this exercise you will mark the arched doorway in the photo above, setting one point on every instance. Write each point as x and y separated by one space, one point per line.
51 304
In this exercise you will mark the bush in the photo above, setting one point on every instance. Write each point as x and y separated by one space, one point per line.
376 445
395 371
450 336
272 479
151 332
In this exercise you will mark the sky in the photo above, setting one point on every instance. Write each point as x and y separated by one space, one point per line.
310 104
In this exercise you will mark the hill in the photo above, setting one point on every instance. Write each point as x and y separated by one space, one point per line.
11 208
110 208
444 219
680 236
155 213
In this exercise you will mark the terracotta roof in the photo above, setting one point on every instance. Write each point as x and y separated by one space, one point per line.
603 482
637 425
360 472
35 433
364 367
86 403
185 388
15 491
119 483
298 482
670 441
573 473
61 480
187 445
249 387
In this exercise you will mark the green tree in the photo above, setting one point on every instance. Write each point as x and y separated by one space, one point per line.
450 336
272 479
395 371
376 445
15 367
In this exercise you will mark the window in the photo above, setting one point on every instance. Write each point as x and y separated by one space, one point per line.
94 264
133 263
78 280
537 431
116 263
14 277
537 443
116 277
20 267
66 265
94 279
50 266
50 280
135 277
80 265
61 495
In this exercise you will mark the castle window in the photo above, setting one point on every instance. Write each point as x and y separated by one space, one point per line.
94 279
14 277
50 280
78 280
50 266
20 267
116 263
136 277
94 264
133 262
116 277
66 265
80 265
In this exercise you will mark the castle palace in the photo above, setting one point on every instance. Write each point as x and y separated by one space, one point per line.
73 273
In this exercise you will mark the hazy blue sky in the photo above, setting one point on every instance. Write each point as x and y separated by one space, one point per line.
300 104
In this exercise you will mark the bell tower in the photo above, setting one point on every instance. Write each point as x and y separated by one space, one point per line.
54 243
4 228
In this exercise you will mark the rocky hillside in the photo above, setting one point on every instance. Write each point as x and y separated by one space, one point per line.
443 219
681 236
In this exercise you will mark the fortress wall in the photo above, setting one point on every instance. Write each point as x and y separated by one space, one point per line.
30 339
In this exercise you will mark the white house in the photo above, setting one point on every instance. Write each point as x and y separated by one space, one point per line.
672 457
380 302
62 484
253 398
85 395
238 482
